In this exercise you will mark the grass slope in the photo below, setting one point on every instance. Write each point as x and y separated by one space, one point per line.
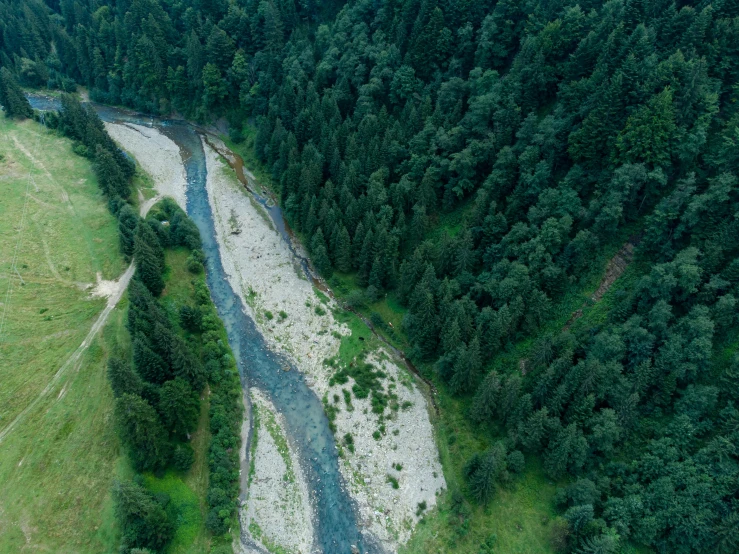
57 464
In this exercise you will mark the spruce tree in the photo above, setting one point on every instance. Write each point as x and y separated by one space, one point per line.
149 259
12 98
179 406
141 431
486 398
122 377
149 365
111 179
142 518
492 469
343 251
127 222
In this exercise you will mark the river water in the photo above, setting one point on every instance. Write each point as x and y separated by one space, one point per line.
335 520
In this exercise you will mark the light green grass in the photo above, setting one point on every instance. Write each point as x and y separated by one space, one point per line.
183 509
520 513
56 466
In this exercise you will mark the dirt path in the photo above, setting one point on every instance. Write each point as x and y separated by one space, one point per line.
116 290
75 358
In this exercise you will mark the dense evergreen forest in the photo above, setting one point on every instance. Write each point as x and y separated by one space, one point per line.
553 130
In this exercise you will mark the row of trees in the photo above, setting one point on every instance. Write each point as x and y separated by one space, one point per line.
175 351
473 158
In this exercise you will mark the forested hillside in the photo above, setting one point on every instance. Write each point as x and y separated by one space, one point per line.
551 131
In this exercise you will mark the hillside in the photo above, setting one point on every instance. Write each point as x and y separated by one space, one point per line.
469 172
59 246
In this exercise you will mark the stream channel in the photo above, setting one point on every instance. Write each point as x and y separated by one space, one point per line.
335 519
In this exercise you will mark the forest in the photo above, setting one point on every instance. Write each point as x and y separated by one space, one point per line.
547 132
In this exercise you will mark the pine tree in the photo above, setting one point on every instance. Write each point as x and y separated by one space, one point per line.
467 367
142 432
179 406
12 98
649 132
127 222
149 365
149 258
111 179
343 251
142 518
185 365
492 469
320 253
123 379
484 404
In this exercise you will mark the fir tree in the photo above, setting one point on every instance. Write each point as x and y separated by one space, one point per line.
179 406
123 379
142 432
149 259
12 98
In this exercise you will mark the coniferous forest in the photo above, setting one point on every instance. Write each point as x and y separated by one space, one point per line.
478 160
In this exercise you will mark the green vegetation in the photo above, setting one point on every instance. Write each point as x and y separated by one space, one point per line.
174 371
474 161
58 461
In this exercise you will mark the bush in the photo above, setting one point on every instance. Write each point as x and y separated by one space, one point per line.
356 299
269 315
215 523
393 482
421 508
194 265
183 457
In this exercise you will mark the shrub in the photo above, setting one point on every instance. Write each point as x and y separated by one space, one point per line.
393 481
283 314
421 508
269 315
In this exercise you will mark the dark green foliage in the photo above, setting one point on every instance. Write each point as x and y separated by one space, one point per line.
142 518
127 221
123 379
191 318
479 171
485 471
141 431
149 258
12 99
179 406
110 177
183 457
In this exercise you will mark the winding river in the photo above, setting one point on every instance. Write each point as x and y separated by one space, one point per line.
335 519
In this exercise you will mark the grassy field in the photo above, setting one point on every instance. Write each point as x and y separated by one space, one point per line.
57 463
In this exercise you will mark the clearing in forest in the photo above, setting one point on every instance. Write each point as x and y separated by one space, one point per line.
57 242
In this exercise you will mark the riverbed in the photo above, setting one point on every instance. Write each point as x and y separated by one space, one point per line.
254 269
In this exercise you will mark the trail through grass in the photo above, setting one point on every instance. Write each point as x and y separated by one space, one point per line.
57 464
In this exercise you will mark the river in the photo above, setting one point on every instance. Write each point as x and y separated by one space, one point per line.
335 515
